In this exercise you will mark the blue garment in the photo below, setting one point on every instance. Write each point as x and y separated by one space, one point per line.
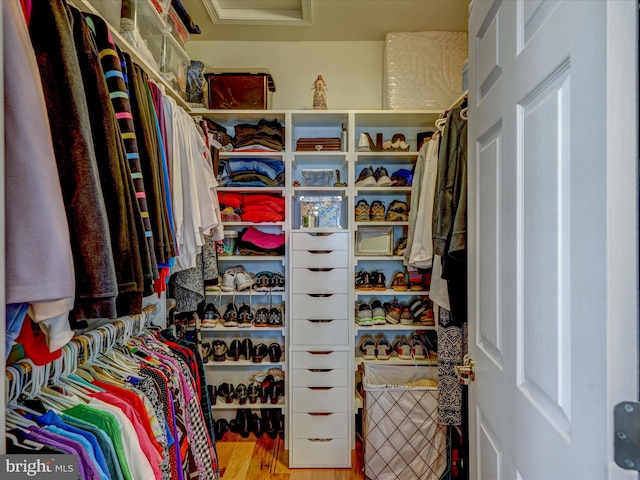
88 448
16 313
51 419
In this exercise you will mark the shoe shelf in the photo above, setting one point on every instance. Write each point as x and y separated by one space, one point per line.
252 224
397 327
365 190
250 328
390 291
391 157
251 258
243 363
432 360
235 405
381 224
378 258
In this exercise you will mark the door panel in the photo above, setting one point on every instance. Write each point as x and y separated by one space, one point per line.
543 204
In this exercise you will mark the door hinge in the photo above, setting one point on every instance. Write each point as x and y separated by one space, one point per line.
626 424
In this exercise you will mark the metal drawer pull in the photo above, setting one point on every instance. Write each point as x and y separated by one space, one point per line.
319 320
319 269
319 388
320 352
319 414
320 252
320 295
320 369
320 439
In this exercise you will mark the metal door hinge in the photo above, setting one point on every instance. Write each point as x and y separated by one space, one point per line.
626 424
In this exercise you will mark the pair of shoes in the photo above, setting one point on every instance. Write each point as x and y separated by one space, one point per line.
369 178
399 282
371 281
377 211
372 313
269 281
236 278
398 211
273 422
240 348
375 348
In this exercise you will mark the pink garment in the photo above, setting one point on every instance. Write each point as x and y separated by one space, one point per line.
145 443
267 241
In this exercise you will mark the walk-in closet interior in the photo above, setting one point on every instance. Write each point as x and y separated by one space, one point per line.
235 238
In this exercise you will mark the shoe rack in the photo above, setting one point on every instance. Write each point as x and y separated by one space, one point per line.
321 338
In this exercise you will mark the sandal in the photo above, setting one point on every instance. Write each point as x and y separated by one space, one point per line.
240 394
399 282
253 391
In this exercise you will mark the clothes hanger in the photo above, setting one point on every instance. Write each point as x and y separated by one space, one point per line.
463 113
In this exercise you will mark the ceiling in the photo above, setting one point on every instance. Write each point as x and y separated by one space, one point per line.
331 20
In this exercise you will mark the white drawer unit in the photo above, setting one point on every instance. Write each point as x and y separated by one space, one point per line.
320 425
320 377
319 359
320 281
320 452
320 306
320 258
320 241
309 332
321 399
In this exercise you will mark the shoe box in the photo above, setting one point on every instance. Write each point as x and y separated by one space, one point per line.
233 90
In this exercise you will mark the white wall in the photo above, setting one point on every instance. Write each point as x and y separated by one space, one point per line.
353 71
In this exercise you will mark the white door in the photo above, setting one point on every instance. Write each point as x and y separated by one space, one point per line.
552 235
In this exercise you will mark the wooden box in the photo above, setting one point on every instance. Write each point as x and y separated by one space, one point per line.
239 90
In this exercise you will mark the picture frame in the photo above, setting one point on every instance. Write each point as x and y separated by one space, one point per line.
375 241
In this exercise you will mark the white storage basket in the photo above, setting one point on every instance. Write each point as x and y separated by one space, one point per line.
403 440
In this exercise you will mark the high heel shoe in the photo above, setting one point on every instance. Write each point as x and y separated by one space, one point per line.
266 388
258 352
276 391
240 394
253 392
225 390
275 352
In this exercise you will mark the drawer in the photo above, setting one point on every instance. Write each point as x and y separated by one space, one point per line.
320 258
319 307
319 359
320 425
324 241
320 332
323 399
314 281
319 377
320 452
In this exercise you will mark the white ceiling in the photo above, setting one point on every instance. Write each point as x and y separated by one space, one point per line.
334 20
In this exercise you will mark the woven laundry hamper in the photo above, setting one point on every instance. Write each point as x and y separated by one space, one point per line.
403 440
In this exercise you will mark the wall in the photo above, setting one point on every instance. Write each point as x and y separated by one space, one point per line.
353 71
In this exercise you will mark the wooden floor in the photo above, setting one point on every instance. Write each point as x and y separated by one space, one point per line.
266 459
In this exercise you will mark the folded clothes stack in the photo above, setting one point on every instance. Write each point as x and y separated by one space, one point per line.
252 241
251 172
257 208
265 136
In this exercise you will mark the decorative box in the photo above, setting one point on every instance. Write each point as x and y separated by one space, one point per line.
245 90
320 212
317 177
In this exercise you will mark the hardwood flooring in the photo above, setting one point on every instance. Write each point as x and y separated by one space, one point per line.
266 459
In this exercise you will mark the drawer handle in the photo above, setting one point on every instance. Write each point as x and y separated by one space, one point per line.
320 295
319 352
319 388
319 269
320 369
319 414
319 234
319 320
320 439
320 252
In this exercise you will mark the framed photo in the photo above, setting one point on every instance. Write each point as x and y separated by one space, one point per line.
374 241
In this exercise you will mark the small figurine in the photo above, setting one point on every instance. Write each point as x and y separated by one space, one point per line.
319 94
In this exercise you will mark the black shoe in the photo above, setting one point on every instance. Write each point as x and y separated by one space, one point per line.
266 387
276 391
245 316
270 422
230 317
277 282
255 425
225 390
211 312
275 317
207 353
240 394
219 350
258 352
262 317
275 352
242 422
220 428
234 350
213 397
245 348
253 392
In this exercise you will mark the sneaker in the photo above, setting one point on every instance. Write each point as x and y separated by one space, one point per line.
415 279
401 246
417 307
427 319
366 178
277 282
382 177
383 348
402 177
399 282
229 279
275 317
363 212
402 347
263 281
245 316
243 281
363 315
230 317
219 350
393 313
377 211
405 317
363 281
211 316
261 317
368 348
418 349
377 313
